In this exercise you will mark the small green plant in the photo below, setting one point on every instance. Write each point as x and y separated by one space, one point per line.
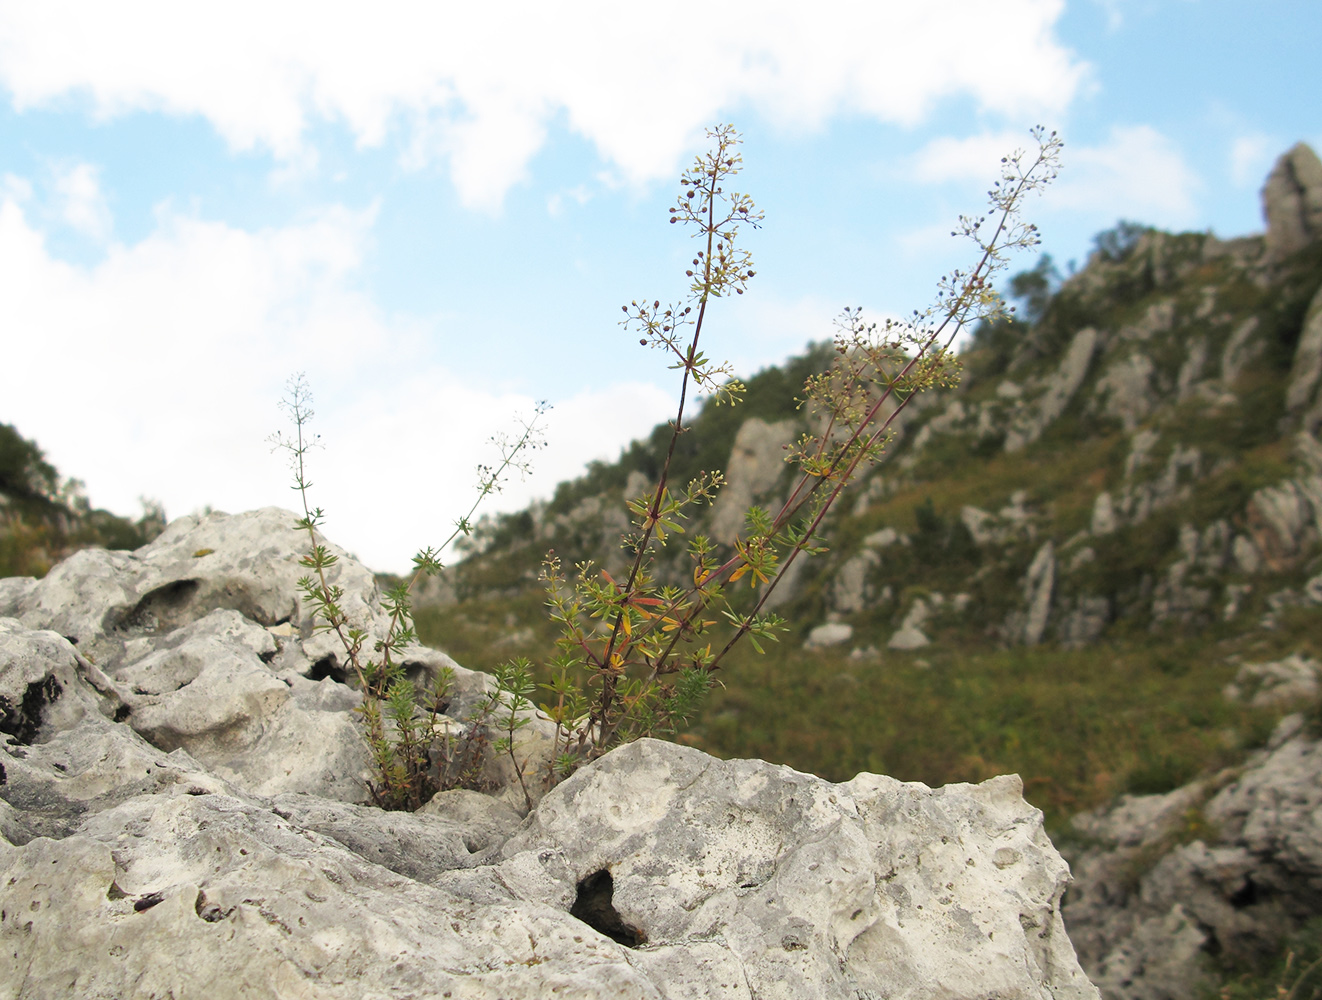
414 748
636 655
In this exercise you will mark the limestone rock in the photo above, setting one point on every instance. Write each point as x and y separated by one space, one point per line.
851 590
910 634
884 538
1241 350
978 523
721 878
1060 389
1013 522
102 601
1281 524
1292 202
44 682
1104 521
1126 391
1084 622
784 885
1039 586
1226 866
213 893
1301 394
94 766
1191 370
1294 678
756 464
829 634
183 818
908 637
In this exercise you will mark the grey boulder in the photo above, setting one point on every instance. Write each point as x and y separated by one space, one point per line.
182 814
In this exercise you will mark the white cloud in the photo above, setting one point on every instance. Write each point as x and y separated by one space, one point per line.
1138 173
1114 10
82 204
156 371
478 85
975 157
1117 11
16 189
579 194
400 463
769 327
1251 158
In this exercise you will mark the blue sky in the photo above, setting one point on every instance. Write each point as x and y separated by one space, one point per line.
436 213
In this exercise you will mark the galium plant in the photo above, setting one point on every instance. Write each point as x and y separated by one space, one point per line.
414 747
635 656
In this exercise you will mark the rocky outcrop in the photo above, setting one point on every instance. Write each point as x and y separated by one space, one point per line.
1227 866
181 815
1295 678
1292 202
1060 389
1302 395
757 463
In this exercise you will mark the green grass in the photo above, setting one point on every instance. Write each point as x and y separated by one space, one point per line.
1294 972
1080 726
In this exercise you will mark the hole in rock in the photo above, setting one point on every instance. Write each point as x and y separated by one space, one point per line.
593 906
162 609
417 673
148 901
122 713
1245 895
210 912
420 676
328 666
23 720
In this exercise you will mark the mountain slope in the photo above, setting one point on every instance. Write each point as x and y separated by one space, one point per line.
1059 564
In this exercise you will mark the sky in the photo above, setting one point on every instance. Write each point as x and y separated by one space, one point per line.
436 210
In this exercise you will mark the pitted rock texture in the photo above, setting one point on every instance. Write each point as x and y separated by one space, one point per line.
181 815
792 886
723 878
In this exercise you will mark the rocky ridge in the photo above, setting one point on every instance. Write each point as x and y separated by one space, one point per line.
181 814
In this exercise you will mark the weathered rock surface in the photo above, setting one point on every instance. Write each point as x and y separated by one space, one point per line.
1294 678
1292 201
181 815
1060 388
1302 395
1226 866
757 462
